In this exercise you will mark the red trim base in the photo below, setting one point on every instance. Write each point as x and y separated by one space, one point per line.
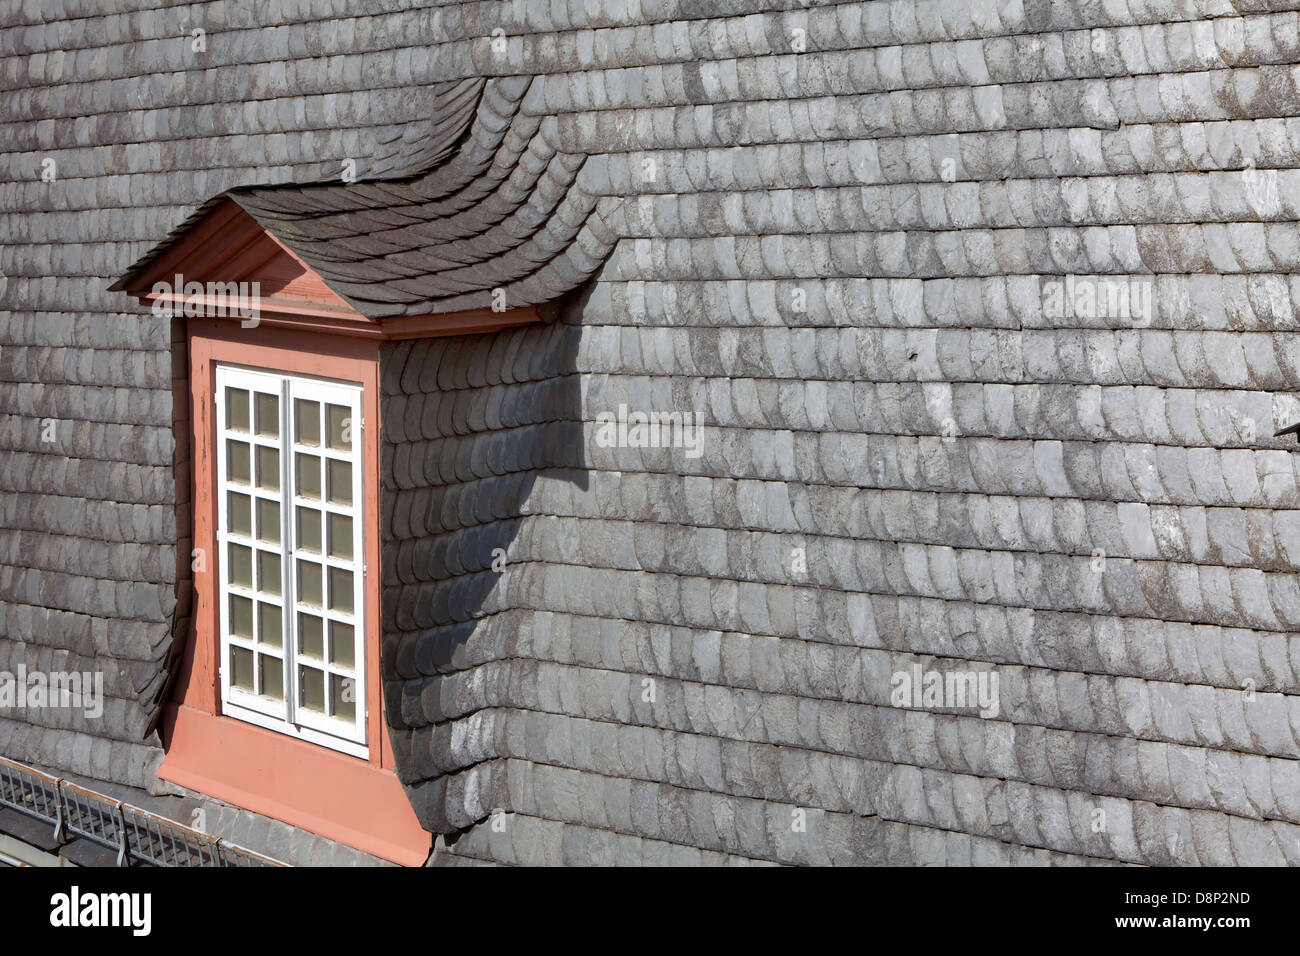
311 787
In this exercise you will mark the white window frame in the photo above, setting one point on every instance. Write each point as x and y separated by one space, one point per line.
288 716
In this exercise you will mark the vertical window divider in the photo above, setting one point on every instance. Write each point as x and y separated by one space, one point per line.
288 537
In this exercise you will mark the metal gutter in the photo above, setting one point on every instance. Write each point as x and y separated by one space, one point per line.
137 835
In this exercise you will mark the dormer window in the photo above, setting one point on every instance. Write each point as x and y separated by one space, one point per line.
288 297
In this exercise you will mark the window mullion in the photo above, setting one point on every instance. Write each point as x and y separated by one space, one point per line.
287 537
361 720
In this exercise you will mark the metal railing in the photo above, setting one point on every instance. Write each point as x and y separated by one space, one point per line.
136 834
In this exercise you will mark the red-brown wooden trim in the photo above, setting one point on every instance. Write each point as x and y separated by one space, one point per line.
457 323
362 806
202 746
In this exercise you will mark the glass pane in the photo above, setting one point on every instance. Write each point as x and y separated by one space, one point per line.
239 514
236 409
268 468
272 676
338 421
241 668
268 572
306 416
343 697
312 684
237 461
342 644
309 529
268 520
340 536
241 565
340 479
310 637
307 467
340 590
270 624
241 616
309 583
268 414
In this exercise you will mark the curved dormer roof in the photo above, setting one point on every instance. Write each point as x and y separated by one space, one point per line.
476 198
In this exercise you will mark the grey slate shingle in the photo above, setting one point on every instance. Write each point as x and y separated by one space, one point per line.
949 503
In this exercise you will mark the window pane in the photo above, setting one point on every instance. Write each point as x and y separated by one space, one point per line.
268 414
239 514
342 644
241 565
268 520
268 572
237 462
310 637
241 668
339 422
343 697
309 529
272 676
340 536
268 468
306 422
309 583
237 409
241 616
270 624
307 468
340 590
340 479
312 684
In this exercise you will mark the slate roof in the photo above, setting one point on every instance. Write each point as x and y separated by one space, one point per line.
839 261
474 199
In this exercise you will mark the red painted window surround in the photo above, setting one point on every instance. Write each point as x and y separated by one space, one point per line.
303 329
